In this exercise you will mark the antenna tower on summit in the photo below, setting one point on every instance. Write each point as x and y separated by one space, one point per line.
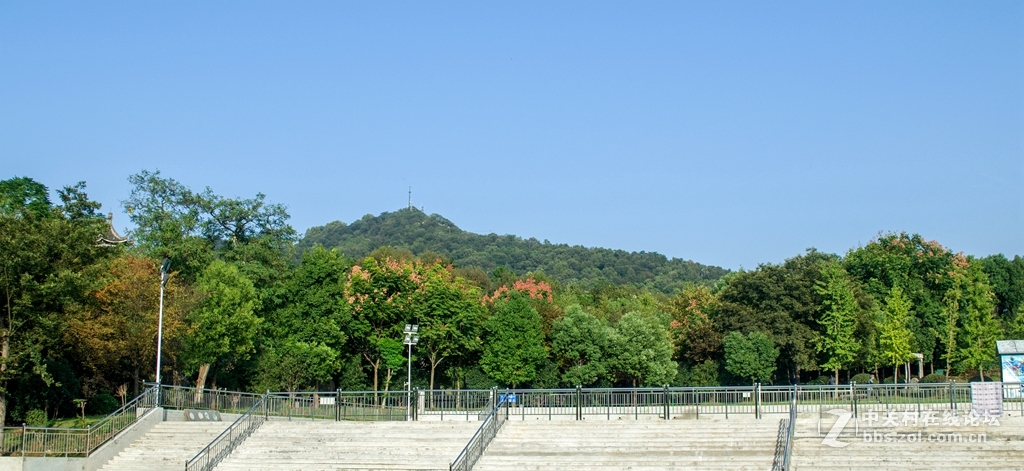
410 198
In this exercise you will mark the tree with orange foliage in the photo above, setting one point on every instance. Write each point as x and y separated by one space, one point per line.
121 328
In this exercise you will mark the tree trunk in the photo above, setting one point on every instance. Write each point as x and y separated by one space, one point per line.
433 368
896 374
981 373
376 371
5 352
204 370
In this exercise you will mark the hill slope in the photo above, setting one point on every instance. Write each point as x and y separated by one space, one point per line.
416 231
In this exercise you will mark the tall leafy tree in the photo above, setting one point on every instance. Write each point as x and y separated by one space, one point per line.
119 329
380 293
839 321
44 253
223 328
643 351
580 345
293 364
315 313
980 326
696 338
513 346
917 266
896 340
780 300
751 357
450 316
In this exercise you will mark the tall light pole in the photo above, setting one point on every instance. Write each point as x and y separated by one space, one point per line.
164 267
412 337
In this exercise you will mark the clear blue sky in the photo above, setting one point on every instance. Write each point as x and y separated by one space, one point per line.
727 133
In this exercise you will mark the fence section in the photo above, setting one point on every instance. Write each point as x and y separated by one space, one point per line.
229 402
78 442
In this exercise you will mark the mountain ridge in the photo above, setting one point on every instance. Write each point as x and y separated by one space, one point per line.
414 230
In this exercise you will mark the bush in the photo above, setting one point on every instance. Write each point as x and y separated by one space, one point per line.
36 418
861 378
934 378
977 378
819 380
102 404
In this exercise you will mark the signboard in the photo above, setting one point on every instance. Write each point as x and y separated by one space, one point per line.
1011 365
195 415
987 399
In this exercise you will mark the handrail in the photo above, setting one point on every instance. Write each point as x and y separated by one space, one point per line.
222 446
789 433
476 446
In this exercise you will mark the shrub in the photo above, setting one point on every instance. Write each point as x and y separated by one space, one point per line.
36 418
102 404
861 378
934 378
819 380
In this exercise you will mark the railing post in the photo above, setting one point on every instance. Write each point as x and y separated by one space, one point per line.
757 400
88 439
951 407
337 405
23 439
853 398
579 402
668 407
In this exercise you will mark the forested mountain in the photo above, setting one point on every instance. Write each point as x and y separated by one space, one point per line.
418 232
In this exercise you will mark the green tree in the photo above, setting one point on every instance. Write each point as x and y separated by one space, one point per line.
751 357
381 295
294 365
643 351
951 315
224 326
513 346
450 316
315 312
781 301
896 339
920 268
840 319
980 327
579 344
45 254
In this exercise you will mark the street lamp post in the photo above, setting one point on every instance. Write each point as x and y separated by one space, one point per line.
164 267
412 337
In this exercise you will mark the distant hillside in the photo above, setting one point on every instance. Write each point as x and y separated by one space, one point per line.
414 230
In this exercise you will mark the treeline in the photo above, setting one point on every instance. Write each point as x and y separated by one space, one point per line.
248 308
412 230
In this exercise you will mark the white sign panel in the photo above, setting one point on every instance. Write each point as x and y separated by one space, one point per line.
987 399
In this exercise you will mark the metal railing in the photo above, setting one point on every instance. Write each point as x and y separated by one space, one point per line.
790 430
76 441
461 404
492 423
608 403
231 402
222 446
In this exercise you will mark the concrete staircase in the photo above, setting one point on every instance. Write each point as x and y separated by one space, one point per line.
910 447
734 444
323 445
166 447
